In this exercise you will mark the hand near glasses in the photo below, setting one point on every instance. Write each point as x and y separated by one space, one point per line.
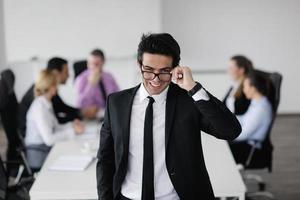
183 77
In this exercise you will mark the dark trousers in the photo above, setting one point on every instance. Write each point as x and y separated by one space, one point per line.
261 158
240 151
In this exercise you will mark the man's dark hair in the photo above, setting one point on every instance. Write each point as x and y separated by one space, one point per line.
244 63
56 63
99 53
160 43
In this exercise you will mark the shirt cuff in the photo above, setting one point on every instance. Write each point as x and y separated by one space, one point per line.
201 95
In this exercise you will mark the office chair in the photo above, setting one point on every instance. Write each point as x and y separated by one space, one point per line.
18 191
79 67
263 158
16 158
3 181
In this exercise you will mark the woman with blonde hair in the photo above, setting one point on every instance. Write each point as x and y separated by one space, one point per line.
43 129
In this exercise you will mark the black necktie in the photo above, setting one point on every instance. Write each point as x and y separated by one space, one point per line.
148 166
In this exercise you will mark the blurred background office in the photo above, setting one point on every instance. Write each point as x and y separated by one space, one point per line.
209 32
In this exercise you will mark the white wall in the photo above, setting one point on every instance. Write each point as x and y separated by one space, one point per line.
210 32
73 27
2 41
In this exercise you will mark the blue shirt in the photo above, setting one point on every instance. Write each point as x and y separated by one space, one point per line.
255 122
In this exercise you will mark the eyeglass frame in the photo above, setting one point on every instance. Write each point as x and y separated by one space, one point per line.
155 74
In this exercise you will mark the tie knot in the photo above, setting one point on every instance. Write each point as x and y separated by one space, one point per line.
151 99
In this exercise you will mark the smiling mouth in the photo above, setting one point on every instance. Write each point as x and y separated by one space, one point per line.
155 85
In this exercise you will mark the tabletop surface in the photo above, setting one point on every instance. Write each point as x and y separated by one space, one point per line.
225 178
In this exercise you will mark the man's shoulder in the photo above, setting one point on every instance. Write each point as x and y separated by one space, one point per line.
82 75
107 76
126 93
57 99
81 78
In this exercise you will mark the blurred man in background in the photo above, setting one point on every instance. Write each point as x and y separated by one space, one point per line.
94 85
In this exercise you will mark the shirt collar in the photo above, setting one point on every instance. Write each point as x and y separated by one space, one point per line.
257 101
143 94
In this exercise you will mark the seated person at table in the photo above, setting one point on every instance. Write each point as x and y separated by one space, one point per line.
64 113
94 85
235 100
43 129
256 121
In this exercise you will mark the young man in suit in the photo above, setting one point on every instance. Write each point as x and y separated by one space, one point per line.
150 141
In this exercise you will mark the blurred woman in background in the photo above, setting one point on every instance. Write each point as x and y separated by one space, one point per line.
256 120
43 129
235 99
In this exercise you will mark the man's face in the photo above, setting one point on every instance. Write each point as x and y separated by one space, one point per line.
64 74
158 64
95 63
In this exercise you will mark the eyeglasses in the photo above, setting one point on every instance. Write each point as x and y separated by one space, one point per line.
162 76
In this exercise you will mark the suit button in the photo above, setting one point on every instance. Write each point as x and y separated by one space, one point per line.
172 173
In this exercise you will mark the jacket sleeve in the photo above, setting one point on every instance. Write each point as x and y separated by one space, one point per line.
69 112
105 165
217 120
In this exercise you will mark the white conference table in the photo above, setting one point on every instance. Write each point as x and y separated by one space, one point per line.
225 178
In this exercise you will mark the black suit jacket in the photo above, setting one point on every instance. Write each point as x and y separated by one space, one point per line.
240 104
185 118
63 112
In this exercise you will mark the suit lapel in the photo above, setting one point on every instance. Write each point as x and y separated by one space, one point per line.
126 116
170 111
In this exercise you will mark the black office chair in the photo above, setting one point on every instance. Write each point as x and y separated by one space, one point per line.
16 159
18 191
79 67
262 159
3 181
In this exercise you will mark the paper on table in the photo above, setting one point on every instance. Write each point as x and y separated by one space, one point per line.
71 163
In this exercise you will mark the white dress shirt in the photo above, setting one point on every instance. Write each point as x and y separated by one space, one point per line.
42 126
132 185
255 122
